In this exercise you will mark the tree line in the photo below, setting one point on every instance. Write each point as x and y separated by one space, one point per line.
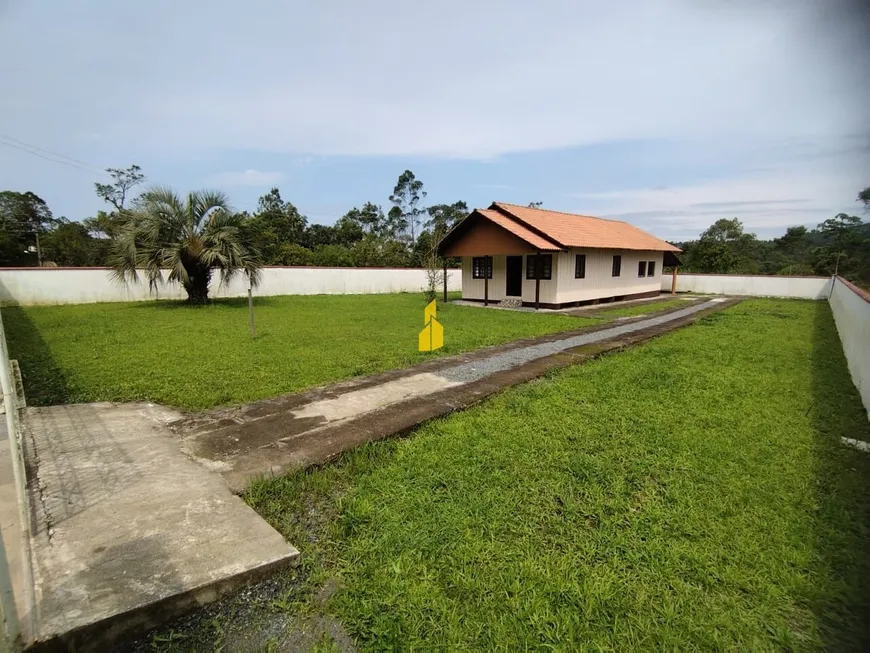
839 245
276 233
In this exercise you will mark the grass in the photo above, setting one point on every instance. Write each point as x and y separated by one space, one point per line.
651 306
690 493
200 357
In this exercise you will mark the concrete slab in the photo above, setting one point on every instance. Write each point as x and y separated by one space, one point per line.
274 436
129 530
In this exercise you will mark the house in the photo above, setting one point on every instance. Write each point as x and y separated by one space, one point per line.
549 259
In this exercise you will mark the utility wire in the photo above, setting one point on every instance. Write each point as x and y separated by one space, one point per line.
69 163
58 154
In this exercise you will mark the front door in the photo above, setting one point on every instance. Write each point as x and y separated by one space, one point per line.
514 276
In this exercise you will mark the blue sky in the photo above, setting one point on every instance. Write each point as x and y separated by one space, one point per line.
668 114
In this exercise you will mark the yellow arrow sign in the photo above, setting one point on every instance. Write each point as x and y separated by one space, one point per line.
430 312
432 335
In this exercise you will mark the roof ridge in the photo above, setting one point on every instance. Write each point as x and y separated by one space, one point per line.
577 215
531 227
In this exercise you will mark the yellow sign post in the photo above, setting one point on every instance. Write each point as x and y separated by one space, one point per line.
432 335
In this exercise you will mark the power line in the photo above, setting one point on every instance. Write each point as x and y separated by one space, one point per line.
58 154
66 163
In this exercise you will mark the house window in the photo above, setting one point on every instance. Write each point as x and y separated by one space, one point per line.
641 269
580 266
651 269
546 263
481 267
617 266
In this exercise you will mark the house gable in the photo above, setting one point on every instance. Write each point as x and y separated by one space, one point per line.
479 236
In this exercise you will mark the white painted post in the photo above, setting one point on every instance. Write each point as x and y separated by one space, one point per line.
251 311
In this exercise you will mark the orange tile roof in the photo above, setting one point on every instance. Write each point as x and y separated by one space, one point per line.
571 230
519 230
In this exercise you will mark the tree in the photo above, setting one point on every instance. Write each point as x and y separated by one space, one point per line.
864 198
105 224
791 254
69 244
317 235
190 237
723 248
843 233
123 181
535 205
23 217
394 254
295 254
794 243
405 214
367 221
275 225
443 217
333 256
368 253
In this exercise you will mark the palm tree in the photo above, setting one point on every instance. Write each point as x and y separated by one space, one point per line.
190 238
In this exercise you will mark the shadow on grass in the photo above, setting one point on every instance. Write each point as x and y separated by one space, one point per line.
841 600
44 381
222 302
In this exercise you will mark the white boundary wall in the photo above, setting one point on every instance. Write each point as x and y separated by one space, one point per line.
756 286
87 285
851 308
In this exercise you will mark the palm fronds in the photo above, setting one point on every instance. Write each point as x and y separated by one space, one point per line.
189 239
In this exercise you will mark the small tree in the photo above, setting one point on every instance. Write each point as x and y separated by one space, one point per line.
434 266
191 238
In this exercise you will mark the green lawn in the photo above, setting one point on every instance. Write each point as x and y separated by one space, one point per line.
642 309
199 357
691 493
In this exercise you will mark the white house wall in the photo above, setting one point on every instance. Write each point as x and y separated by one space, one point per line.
599 280
563 287
474 288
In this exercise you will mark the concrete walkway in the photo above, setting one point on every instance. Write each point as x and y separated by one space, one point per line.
272 437
127 529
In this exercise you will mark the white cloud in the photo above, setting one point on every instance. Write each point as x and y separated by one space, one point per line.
449 79
764 201
246 178
111 83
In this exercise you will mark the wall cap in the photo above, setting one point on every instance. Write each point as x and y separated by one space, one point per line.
742 276
863 294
